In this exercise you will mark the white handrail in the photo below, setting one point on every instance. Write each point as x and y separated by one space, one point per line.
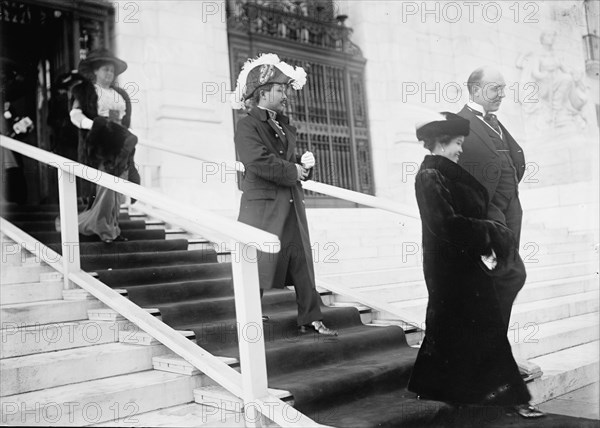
313 186
210 225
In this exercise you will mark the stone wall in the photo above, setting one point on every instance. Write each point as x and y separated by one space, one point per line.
419 55
179 72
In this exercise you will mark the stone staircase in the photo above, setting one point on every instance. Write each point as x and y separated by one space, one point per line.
62 366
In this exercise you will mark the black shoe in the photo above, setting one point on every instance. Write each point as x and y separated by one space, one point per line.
318 327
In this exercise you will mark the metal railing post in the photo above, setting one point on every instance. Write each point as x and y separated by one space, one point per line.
251 341
69 225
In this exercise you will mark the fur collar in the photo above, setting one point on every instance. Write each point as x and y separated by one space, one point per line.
451 171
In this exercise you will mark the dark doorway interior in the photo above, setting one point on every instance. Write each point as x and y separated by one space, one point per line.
39 42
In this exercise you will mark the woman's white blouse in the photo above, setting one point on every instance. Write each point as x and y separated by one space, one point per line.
109 99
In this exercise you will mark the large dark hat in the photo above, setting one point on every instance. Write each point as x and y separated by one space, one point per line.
99 56
444 123
264 70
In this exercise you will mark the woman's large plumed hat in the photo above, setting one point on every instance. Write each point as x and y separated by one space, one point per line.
265 69
99 56
444 123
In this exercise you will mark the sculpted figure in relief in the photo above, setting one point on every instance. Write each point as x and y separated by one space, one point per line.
552 94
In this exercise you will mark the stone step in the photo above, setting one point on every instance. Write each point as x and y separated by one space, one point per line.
532 291
22 274
46 312
334 263
359 245
31 292
533 340
100 400
553 248
565 371
536 291
366 313
52 369
351 217
555 308
532 258
19 341
337 265
218 397
381 279
173 363
11 253
354 242
537 312
184 415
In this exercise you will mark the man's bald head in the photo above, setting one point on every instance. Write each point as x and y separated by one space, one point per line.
486 87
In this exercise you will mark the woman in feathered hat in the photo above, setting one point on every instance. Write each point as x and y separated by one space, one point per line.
465 356
102 112
272 198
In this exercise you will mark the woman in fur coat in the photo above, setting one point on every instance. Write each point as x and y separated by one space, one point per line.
102 112
465 356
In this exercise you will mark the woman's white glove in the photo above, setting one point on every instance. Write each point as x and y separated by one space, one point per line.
80 120
307 160
490 261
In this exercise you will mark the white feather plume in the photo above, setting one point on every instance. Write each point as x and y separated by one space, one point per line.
297 74
428 117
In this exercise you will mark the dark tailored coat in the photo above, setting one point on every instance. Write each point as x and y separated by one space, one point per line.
465 356
271 189
480 157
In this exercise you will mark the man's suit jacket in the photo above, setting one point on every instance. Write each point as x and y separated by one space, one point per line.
480 156
271 188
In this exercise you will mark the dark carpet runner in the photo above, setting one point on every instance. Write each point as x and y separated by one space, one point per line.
357 379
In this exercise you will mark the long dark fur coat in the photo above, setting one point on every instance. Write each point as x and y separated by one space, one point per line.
465 356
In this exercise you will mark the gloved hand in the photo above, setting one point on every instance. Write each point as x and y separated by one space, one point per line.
490 260
23 126
302 172
307 160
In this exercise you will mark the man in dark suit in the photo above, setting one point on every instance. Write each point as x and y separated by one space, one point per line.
495 159
272 198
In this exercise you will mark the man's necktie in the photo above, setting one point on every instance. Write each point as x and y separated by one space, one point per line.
272 116
492 120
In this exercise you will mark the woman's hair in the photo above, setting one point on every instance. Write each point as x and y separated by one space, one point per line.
430 142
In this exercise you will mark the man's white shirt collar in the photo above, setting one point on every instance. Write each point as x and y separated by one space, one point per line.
474 106
478 108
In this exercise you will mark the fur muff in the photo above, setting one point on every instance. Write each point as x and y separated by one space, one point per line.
110 144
